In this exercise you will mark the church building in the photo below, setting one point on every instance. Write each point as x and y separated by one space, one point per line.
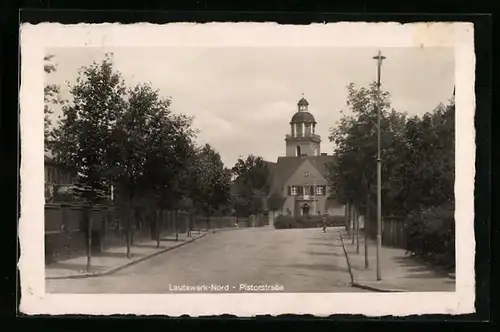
300 177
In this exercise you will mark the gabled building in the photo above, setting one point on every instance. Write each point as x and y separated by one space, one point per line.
300 177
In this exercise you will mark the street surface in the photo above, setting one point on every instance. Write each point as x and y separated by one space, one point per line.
289 260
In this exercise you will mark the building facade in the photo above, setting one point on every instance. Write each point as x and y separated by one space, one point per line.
58 181
301 176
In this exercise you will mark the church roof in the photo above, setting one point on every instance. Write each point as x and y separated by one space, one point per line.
303 117
285 167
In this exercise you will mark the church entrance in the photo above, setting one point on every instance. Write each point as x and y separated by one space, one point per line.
305 209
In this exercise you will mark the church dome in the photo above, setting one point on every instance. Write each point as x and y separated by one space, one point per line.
303 117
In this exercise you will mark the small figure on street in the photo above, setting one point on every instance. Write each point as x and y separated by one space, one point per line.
323 223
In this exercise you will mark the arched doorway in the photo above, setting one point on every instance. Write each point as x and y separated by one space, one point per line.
305 209
298 151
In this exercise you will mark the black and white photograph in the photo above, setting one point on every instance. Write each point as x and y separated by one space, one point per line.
279 164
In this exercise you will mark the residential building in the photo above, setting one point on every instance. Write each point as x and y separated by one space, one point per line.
58 181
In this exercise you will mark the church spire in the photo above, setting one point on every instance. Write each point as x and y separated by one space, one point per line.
303 104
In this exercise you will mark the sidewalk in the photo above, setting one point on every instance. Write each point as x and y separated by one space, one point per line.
114 258
399 272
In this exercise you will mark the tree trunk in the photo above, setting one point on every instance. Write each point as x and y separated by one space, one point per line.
365 230
104 214
128 236
348 218
158 222
151 224
132 223
89 237
357 231
207 221
129 221
353 216
176 218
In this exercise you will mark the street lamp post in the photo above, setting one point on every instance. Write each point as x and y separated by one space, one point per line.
379 59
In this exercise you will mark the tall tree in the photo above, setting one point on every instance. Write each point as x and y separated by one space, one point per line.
129 151
417 155
252 182
170 151
212 189
429 159
352 175
355 143
84 137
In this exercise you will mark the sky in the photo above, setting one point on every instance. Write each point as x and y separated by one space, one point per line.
242 98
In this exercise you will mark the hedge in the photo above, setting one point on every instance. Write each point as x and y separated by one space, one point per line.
282 222
430 234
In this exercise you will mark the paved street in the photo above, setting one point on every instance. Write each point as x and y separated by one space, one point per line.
298 260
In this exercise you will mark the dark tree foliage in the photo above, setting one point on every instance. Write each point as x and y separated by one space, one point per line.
417 156
251 185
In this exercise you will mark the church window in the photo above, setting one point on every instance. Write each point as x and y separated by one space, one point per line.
306 173
307 130
319 190
294 190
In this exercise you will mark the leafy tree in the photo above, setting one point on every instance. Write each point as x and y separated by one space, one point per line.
84 137
169 154
354 170
275 201
417 156
252 182
429 159
51 97
212 182
129 151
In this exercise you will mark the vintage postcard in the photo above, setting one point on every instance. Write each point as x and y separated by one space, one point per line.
247 169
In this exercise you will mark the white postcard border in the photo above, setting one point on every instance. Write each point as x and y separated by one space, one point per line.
36 38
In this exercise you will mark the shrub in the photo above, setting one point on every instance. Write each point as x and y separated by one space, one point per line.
336 220
307 221
431 234
285 222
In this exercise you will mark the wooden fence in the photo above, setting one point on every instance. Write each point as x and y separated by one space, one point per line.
66 228
393 232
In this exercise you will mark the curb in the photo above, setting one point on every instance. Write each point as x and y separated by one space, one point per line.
118 268
376 289
434 268
226 229
347 258
362 286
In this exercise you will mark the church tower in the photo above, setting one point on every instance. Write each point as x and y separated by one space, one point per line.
302 140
